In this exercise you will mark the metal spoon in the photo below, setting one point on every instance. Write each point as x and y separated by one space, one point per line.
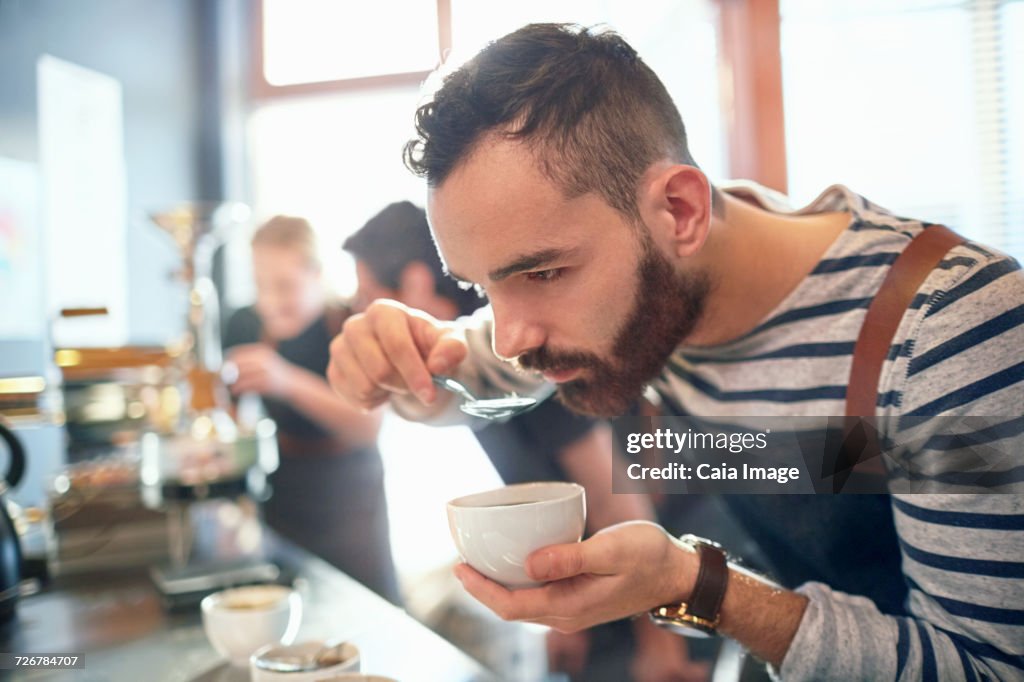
486 408
304 657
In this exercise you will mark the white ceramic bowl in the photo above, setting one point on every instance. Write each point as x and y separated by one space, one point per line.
495 531
258 672
240 620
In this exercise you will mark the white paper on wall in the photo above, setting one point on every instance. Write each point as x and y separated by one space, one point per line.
81 140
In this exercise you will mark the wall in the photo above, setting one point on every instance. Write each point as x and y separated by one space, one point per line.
160 52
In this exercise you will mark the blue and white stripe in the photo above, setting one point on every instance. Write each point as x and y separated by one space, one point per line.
958 352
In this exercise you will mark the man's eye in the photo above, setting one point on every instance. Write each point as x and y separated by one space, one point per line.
545 275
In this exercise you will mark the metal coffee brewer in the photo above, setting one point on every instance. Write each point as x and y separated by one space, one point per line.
208 455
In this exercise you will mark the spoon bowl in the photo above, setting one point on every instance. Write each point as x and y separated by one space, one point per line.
313 657
496 409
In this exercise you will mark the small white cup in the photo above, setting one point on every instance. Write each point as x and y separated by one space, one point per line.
260 670
240 620
496 530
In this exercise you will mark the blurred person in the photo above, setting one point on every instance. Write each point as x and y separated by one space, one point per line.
328 492
561 184
396 259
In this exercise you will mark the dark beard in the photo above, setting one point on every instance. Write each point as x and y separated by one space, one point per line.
666 309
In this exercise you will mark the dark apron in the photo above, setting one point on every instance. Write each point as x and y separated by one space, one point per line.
334 506
848 542
328 496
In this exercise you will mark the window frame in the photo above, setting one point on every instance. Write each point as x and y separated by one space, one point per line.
262 89
751 89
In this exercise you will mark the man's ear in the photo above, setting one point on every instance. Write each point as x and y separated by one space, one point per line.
676 206
416 284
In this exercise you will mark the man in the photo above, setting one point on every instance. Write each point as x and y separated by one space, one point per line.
562 186
396 259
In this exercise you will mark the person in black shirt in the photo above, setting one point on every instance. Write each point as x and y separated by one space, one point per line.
328 492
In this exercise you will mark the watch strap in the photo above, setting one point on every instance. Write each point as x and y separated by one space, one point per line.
700 612
705 602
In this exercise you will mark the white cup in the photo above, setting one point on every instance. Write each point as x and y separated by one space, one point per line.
241 620
261 664
495 531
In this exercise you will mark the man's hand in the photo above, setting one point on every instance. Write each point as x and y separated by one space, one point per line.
620 571
260 370
391 349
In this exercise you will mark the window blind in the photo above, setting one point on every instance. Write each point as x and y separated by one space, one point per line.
916 104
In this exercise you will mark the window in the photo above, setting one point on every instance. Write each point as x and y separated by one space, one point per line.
310 41
915 104
336 160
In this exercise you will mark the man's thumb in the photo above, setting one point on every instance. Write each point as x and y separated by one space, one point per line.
447 352
557 562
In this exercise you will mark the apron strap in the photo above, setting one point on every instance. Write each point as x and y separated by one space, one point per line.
901 283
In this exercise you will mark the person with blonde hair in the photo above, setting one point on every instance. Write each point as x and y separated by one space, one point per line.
328 492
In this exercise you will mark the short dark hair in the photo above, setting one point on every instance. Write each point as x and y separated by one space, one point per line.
397 236
593 113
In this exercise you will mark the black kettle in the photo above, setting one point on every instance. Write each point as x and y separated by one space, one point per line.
10 545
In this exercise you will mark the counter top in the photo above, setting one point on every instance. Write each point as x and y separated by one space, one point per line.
118 623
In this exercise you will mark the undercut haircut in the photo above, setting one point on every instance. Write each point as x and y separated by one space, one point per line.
591 112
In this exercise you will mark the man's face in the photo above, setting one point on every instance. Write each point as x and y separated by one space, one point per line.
369 288
578 293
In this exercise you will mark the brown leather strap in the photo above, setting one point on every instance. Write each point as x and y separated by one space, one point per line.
885 313
860 448
705 601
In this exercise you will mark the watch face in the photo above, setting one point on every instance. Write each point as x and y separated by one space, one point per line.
681 629
692 539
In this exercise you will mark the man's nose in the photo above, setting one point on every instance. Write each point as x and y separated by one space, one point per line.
515 330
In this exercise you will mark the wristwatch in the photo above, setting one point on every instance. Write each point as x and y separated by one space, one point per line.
699 615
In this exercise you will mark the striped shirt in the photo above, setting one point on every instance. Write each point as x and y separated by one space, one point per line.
959 351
